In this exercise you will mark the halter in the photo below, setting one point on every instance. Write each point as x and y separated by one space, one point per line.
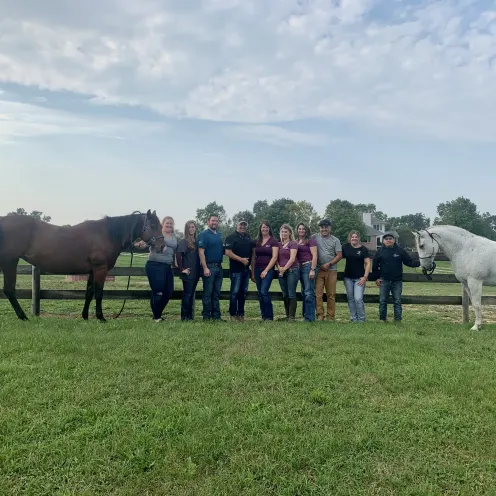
429 272
144 229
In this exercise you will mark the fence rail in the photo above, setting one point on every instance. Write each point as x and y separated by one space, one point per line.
36 294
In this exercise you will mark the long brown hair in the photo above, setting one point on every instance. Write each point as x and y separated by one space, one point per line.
307 233
190 239
259 236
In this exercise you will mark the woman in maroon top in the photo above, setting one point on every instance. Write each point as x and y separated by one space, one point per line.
264 258
289 270
307 258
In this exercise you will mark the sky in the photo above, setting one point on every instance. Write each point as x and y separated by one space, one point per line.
111 106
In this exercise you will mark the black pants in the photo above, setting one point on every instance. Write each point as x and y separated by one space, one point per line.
161 281
188 300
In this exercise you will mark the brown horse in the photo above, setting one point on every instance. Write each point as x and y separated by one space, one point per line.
91 247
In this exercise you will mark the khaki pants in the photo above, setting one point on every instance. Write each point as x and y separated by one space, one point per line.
327 279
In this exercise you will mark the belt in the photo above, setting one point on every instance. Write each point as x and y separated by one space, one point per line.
215 264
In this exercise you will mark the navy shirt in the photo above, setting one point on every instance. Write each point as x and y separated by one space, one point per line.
212 243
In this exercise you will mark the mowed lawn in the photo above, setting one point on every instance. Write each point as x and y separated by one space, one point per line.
132 407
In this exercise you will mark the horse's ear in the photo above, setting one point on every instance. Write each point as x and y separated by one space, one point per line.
148 214
155 213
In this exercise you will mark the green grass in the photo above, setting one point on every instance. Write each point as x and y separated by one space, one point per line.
134 408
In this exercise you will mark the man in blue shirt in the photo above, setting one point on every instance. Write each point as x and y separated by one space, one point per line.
211 252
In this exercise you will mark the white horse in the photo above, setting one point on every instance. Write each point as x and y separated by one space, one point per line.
472 257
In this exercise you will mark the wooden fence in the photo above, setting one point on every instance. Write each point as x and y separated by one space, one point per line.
36 294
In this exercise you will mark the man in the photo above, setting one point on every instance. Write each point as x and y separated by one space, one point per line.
329 253
211 252
387 269
239 246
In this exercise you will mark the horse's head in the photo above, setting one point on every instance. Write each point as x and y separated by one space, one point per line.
427 248
152 231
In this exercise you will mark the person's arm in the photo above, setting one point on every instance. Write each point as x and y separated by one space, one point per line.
376 267
201 254
233 256
363 280
292 257
179 260
253 259
408 260
313 251
273 260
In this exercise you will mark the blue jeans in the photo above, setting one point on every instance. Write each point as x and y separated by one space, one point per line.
354 293
307 292
263 286
188 299
161 281
211 293
289 281
395 288
239 288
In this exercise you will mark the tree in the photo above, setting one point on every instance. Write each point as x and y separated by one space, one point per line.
303 211
463 213
415 222
249 217
35 214
406 239
203 214
279 212
345 218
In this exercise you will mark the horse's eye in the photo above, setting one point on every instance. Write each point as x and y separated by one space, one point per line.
421 245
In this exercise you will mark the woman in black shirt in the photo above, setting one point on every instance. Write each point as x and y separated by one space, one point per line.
356 273
188 263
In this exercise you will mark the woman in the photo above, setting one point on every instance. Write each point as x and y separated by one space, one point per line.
159 269
264 258
188 263
356 273
289 271
307 258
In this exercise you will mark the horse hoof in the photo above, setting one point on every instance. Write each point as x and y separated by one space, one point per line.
103 320
475 328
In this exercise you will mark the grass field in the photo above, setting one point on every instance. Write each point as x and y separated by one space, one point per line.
138 408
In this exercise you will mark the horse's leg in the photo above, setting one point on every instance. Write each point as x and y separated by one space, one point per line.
100 273
90 291
475 288
9 270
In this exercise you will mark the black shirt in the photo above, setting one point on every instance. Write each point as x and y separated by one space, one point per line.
355 265
241 245
189 259
388 263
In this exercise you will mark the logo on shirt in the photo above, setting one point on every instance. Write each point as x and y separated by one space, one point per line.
358 252
396 255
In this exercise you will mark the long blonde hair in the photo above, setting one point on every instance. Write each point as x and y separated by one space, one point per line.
190 238
290 230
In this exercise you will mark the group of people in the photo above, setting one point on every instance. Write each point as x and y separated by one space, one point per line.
298 256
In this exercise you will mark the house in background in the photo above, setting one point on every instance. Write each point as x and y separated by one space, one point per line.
375 231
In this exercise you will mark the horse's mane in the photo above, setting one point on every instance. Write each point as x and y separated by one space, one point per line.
124 228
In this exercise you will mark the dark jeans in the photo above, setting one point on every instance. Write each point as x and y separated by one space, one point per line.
395 288
239 288
211 293
307 292
289 281
263 286
161 281
188 300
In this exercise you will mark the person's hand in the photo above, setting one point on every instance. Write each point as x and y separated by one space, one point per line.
263 274
245 261
311 276
140 244
206 272
362 281
253 278
186 271
378 282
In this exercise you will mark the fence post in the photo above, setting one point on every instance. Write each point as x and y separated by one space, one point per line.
35 297
465 306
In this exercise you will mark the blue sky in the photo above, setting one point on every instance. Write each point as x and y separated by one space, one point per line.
112 106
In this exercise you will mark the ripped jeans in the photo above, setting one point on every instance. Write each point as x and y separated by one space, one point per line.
161 281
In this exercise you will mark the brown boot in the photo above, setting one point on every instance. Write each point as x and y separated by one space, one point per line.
292 308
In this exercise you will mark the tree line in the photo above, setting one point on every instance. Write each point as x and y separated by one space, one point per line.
346 216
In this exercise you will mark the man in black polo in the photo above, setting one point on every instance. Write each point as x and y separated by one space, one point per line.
211 252
238 248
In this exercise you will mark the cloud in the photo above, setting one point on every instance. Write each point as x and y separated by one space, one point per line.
21 120
276 135
413 66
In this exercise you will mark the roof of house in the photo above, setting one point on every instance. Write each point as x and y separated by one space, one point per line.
373 232
375 220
